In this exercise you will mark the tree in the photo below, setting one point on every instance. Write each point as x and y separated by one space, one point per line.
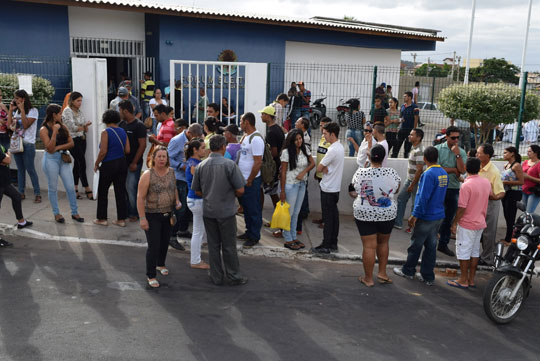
487 105
42 89
494 71
435 70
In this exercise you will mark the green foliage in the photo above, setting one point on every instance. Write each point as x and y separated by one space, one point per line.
42 89
435 70
495 70
487 105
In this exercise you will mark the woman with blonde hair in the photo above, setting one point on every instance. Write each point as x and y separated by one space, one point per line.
157 197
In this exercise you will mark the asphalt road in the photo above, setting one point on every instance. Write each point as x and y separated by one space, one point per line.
71 301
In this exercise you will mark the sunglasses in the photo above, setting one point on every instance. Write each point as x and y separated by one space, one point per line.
368 130
454 138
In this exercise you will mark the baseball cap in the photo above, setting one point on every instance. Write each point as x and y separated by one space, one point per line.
300 83
125 84
384 85
231 128
270 110
122 91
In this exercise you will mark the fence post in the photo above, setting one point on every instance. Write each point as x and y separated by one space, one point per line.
432 93
374 89
521 107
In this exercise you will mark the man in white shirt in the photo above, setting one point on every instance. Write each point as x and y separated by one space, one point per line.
250 162
331 167
380 137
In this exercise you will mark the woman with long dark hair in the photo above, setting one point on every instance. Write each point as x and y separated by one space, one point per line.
112 166
296 162
22 119
392 124
195 152
4 136
512 178
531 174
77 125
156 199
57 140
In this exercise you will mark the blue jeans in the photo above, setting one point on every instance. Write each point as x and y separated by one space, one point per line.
295 197
182 214
402 199
450 209
251 203
424 236
132 184
357 135
295 114
25 163
531 202
54 166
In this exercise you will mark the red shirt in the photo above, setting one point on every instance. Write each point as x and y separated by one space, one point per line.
167 131
533 171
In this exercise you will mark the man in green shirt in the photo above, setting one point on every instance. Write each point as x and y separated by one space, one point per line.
452 158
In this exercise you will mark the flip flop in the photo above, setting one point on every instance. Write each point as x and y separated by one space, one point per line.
384 281
455 284
153 283
164 271
362 281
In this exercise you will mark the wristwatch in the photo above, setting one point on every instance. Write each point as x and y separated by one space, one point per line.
458 155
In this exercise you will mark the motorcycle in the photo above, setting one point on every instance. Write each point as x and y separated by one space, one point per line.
510 285
343 108
317 112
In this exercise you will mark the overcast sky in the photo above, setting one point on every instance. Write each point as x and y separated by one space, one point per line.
498 31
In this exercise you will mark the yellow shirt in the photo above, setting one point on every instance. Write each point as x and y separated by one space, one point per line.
492 174
321 152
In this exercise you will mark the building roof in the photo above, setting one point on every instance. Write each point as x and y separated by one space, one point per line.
152 6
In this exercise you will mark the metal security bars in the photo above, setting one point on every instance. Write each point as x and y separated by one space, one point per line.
337 83
107 47
203 83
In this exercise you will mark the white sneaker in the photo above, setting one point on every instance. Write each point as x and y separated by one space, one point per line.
398 271
420 278
398 227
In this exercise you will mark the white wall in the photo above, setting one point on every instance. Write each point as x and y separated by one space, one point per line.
340 82
255 91
105 24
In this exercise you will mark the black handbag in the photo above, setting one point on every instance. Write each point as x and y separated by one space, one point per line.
536 189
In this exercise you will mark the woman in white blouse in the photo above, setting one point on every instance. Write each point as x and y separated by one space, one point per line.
296 162
74 120
22 119
156 100
375 211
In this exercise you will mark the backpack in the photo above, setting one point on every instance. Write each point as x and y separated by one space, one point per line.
268 167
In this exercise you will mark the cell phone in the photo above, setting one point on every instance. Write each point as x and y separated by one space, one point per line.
14 103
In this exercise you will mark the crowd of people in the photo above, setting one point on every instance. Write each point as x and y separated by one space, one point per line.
197 171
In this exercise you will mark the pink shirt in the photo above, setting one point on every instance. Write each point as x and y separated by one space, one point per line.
533 171
474 197
167 131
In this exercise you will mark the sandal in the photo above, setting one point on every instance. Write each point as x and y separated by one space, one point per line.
201 265
90 197
164 271
291 245
58 218
277 234
363 281
38 199
384 281
152 282
119 223
78 196
100 222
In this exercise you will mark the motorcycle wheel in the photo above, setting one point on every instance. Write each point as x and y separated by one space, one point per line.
341 120
315 121
497 305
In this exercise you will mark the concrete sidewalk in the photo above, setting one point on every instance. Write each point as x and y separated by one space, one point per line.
350 245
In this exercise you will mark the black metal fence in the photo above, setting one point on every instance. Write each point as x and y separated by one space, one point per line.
336 84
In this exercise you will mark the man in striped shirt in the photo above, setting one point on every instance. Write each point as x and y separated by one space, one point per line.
414 171
167 130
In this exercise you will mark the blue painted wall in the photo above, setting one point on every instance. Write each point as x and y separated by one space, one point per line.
34 29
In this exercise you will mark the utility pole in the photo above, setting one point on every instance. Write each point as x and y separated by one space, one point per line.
428 66
453 65
466 79
524 55
458 66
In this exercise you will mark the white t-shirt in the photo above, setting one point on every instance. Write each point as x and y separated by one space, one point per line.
414 92
29 135
384 143
153 101
247 151
376 188
301 164
333 160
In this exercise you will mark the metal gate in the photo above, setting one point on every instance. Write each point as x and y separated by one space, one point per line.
218 80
